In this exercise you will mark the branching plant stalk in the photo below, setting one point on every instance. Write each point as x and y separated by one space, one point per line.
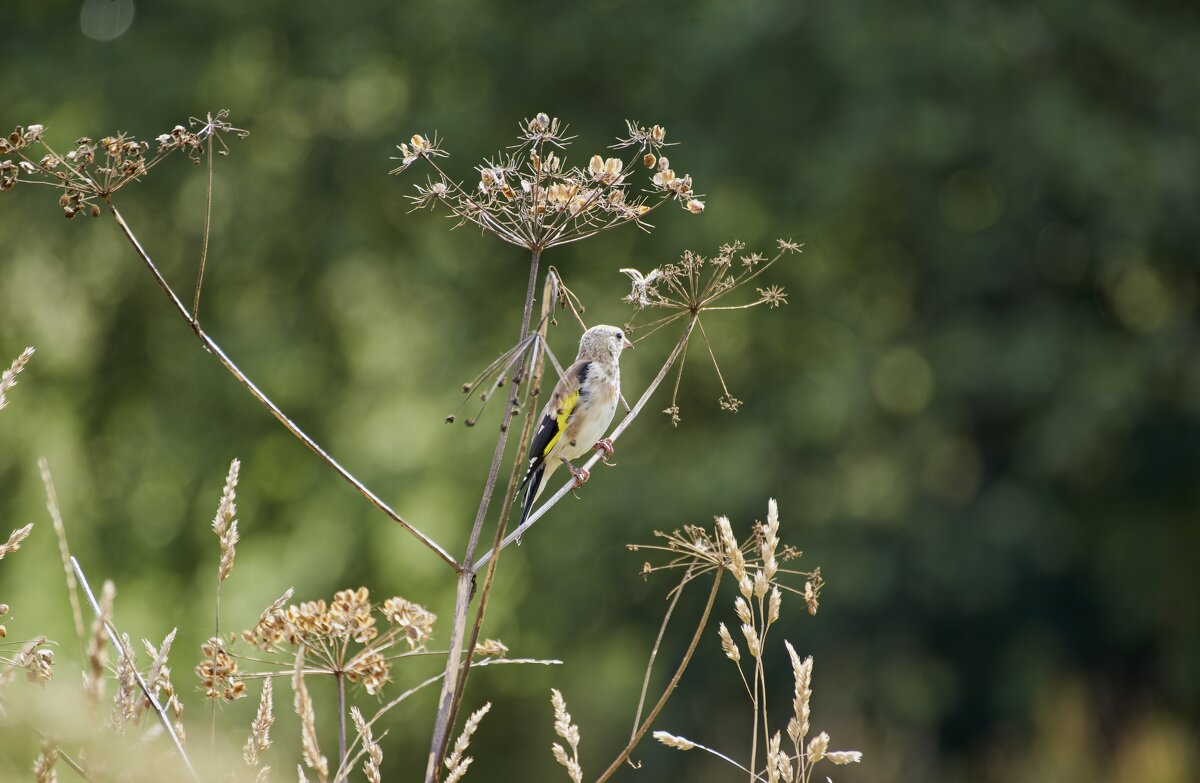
670 689
466 577
534 383
266 402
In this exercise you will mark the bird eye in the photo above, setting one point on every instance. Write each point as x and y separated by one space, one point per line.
620 336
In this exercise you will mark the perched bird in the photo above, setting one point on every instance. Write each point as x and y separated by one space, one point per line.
578 411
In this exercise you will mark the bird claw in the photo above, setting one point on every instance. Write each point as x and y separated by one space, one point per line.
581 475
605 445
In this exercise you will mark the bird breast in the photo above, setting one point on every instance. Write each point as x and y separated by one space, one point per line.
598 401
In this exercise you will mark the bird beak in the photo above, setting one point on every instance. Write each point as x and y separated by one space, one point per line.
626 344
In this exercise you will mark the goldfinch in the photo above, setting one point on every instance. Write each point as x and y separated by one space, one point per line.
578 412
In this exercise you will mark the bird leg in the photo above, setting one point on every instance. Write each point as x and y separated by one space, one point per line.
605 445
581 475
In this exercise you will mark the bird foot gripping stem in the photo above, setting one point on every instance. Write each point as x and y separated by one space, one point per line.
581 475
605 445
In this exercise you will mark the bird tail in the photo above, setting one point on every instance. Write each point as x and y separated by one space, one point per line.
533 488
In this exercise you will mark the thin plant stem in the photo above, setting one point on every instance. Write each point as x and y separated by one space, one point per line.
60 531
662 630
616 433
212 730
208 193
212 347
466 578
115 639
670 689
341 702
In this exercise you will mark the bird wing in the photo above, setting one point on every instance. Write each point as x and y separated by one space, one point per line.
558 411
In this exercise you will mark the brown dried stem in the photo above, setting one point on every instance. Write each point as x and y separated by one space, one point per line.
662 631
266 402
670 689
550 292
447 701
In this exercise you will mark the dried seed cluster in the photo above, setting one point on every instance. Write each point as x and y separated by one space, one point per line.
695 285
531 197
91 171
341 636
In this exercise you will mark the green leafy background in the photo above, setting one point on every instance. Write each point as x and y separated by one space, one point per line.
979 411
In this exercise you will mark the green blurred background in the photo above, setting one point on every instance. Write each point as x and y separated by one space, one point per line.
979 412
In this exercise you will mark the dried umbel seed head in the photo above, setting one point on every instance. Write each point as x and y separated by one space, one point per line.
218 672
413 619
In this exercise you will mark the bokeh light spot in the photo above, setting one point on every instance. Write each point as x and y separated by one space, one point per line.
903 381
1140 298
969 201
105 20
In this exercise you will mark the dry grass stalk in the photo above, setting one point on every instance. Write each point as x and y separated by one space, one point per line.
370 746
755 568
564 728
103 616
128 698
225 526
8 378
43 766
14 540
97 655
308 723
60 531
671 741
159 681
457 763
260 729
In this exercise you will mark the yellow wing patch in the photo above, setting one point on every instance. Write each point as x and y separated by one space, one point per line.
568 406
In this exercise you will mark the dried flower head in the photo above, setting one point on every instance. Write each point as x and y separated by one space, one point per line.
530 197
696 285
92 171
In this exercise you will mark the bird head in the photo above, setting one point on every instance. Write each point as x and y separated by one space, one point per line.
603 343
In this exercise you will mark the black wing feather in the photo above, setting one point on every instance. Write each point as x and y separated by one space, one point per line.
547 429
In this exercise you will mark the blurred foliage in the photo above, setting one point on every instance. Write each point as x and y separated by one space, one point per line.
980 411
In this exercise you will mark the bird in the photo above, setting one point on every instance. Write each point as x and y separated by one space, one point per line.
578 412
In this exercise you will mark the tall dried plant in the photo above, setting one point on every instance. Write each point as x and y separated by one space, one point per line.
529 196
